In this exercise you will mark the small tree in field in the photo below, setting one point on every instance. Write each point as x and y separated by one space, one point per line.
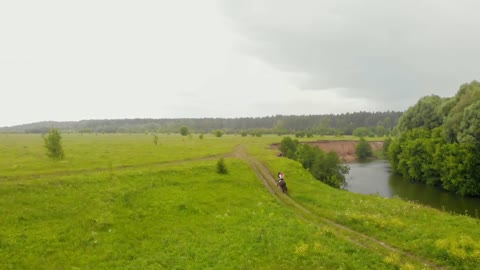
221 167
53 143
184 131
155 139
218 133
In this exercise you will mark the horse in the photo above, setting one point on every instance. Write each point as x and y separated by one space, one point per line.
283 185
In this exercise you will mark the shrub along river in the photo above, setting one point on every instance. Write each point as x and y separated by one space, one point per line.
376 177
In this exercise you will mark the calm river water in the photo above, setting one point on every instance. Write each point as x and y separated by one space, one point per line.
376 177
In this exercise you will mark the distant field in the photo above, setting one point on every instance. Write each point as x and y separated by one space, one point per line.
121 202
24 154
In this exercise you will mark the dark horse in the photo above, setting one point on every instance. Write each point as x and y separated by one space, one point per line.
283 185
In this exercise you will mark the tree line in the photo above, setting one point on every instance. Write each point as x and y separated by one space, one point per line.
438 141
371 124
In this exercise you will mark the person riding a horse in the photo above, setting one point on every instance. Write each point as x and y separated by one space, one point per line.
281 182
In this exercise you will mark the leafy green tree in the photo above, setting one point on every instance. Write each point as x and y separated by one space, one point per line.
184 131
318 166
439 142
393 152
361 132
460 168
336 170
387 123
53 143
218 133
307 155
327 168
380 131
386 144
221 167
425 114
256 133
300 134
414 153
363 150
470 125
466 96
289 147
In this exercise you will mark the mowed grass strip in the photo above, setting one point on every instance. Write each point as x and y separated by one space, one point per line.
183 216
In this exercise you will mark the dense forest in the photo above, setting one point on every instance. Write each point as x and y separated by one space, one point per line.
438 141
371 123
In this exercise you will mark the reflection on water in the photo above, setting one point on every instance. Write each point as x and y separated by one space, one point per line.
376 178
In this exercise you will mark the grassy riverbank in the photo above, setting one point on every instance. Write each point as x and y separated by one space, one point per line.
119 201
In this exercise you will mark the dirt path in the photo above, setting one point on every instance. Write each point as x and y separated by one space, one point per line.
269 182
355 237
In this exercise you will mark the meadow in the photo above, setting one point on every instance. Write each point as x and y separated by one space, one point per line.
118 201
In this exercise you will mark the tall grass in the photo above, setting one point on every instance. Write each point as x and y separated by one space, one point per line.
121 202
25 154
183 216
447 239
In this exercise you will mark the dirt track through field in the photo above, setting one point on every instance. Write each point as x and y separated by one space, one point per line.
269 182
347 233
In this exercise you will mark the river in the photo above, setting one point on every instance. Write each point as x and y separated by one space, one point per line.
376 177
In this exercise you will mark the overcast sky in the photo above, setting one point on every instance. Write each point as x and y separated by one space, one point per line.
73 60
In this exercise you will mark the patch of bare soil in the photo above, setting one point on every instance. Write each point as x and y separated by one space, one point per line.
344 149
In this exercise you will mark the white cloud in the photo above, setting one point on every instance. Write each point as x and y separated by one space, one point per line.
380 50
63 60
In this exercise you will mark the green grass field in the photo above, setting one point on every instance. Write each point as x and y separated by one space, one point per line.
120 202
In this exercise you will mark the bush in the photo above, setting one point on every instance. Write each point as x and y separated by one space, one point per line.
386 144
300 134
221 167
363 150
53 143
218 133
184 131
361 132
289 147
